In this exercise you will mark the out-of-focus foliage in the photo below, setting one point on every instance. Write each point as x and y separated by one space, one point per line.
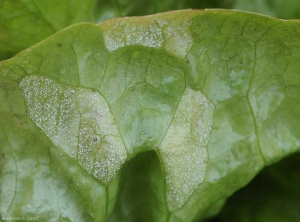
274 195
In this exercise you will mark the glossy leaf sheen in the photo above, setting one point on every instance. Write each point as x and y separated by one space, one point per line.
212 96
276 189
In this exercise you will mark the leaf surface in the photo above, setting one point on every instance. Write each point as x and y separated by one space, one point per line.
164 115
276 189
24 23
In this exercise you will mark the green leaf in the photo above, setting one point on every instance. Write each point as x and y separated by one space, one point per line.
24 23
40 180
272 195
164 116
142 186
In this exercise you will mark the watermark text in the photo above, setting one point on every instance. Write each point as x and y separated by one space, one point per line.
19 218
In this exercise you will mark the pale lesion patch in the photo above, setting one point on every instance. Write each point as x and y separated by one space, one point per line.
161 31
184 148
178 39
77 120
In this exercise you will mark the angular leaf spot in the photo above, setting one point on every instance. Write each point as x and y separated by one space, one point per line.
174 37
178 39
120 33
184 149
79 121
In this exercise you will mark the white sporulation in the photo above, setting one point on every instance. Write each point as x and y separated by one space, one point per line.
121 33
178 40
77 120
184 149
173 36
